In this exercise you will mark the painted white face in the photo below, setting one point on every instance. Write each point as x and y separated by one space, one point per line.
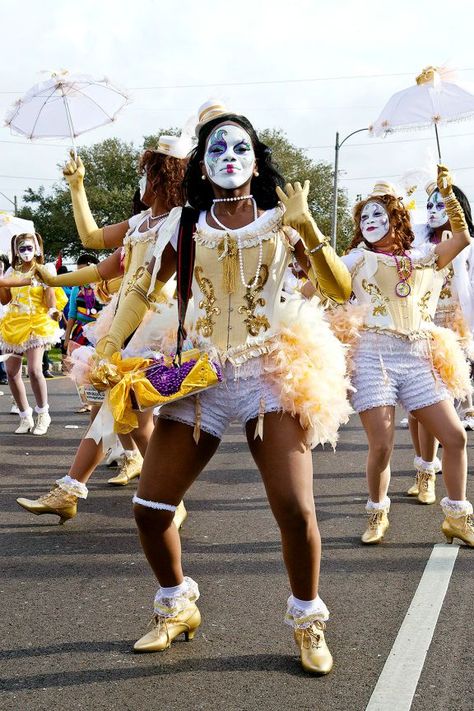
229 158
142 185
436 211
374 222
26 250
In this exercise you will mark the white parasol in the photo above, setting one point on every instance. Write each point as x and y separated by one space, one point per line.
11 226
435 99
65 106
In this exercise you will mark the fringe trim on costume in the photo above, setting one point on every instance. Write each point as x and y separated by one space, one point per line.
456 509
308 370
378 505
98 329
32 342
346 323
450 362
173 605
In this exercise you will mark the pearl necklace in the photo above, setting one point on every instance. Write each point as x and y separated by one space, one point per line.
254 281
234 199
155 217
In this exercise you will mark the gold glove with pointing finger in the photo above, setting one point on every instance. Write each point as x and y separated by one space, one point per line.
81 277
328 273
91 235
454 210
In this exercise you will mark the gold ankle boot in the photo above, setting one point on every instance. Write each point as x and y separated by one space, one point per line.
426 487
180 515
378 525
166 629
414 490
57 501
130 469
462 528
315 655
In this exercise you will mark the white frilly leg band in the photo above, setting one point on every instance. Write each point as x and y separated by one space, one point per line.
377 505
456 509
72 486
157 505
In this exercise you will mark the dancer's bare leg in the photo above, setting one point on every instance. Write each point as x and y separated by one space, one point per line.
379 426
442 420
88 455
34 359
142 435
414 434
15 381
173 461
286 466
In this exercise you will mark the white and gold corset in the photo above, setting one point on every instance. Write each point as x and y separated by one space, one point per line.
374 278
239 323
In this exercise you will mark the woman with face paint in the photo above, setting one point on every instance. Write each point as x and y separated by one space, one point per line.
400 356
242 251
29 326
455 310
162 172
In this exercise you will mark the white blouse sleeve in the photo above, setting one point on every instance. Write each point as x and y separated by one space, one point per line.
168 234
352 258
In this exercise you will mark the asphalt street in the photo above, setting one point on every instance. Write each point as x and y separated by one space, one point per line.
74 598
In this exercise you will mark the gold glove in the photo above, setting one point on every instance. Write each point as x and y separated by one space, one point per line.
106 288
132 308
91 235
328 272
86 275
454 210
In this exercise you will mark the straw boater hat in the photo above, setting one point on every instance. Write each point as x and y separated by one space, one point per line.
178 146
430 187
384 188
212 109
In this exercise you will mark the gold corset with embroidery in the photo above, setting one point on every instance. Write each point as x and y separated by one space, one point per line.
388 312
232 321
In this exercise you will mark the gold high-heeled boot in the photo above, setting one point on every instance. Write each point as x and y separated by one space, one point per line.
166 629
414 490
130 469
180 515
426 487
378 525
57 501
315 655
462 528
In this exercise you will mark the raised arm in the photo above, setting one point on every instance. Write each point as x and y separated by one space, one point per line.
461 238
133 307
92 236
327 272
108 269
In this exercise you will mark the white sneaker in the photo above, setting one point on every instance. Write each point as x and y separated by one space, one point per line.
114 456
42 423
468 423
404 423
26 425
14 410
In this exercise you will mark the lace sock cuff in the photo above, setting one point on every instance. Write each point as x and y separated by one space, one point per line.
301 614
72 486
167 605
456 509
377 505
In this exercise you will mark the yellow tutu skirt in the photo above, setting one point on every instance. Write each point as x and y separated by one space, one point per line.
20 331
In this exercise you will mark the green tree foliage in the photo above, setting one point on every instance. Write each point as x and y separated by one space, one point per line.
111 179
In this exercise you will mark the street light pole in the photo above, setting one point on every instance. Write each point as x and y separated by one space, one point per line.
13 202
336 169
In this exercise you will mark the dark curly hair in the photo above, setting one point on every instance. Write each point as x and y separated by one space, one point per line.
166 175
466 208
399 221
16 261
199 192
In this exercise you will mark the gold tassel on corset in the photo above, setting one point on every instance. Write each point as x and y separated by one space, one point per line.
261 415
227 250
197 423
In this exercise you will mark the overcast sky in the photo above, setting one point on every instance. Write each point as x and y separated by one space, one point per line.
254 55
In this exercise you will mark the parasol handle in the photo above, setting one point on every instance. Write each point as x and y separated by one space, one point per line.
437 143
69 120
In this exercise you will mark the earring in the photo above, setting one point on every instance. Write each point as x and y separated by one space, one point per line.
256 174
203 177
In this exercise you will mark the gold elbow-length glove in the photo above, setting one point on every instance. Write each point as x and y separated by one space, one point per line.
454 210
91 236
81 277
132 308
328 272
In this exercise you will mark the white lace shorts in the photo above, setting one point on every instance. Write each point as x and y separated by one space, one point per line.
238 400
390 370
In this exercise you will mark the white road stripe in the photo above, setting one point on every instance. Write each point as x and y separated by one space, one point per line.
399 678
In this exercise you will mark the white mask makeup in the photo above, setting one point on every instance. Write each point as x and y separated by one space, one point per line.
374 222
142 185
229 156
436 211
26 251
